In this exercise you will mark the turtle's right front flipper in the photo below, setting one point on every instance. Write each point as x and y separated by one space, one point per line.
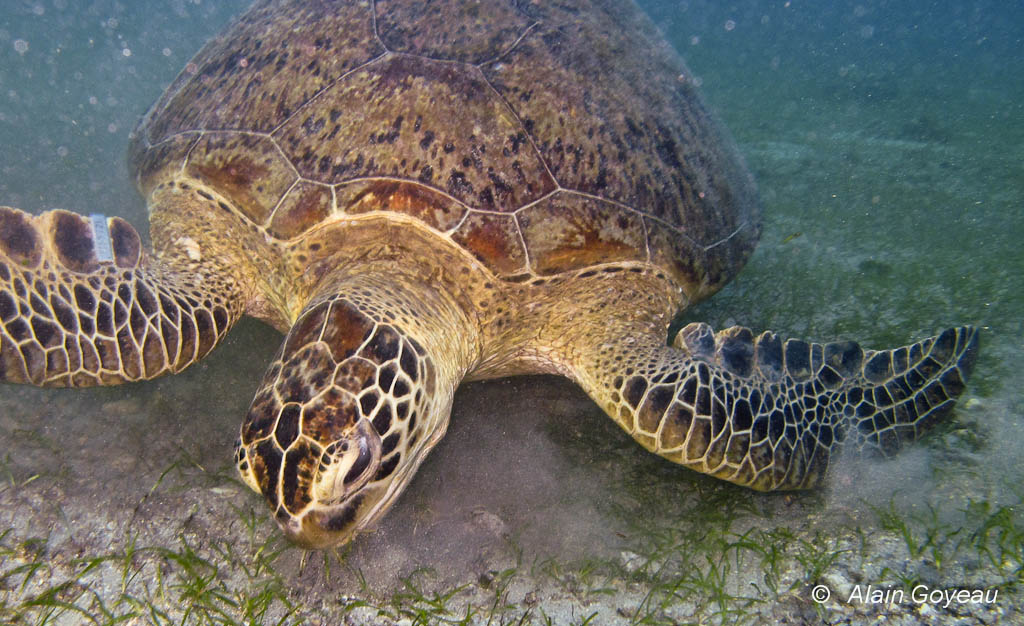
770 414
82 304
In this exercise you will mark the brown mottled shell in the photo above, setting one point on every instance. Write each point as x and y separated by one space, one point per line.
542 137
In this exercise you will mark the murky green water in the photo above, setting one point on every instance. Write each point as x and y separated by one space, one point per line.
887 143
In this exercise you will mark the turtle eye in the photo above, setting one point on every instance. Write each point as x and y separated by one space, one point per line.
357 474
348 465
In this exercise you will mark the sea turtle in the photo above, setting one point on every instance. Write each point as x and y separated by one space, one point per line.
421 193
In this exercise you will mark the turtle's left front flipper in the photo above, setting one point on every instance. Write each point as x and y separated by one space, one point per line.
82 304
769 414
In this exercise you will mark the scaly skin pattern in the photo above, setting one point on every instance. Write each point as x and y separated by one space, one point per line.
359 393
535 187
756 411
769 414
69 320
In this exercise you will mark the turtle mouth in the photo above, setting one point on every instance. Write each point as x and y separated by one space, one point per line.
329 525
324 526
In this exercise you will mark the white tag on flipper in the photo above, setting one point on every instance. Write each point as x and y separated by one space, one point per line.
101 237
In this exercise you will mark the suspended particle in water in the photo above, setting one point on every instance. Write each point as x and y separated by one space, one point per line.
62 151
167 52
730 24
126 52
112 127
20 46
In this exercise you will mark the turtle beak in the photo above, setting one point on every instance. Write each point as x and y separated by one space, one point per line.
337 496
322 527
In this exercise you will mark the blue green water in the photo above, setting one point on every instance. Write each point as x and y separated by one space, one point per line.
887 139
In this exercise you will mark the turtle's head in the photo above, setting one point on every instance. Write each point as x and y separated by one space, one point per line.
320 492
343 419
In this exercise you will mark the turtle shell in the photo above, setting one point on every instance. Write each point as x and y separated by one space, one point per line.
542 137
